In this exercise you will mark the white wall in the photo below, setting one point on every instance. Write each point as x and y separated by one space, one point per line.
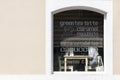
53 5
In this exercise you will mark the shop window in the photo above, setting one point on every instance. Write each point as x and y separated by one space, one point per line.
78 41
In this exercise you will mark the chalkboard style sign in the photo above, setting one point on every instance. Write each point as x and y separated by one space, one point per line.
78 41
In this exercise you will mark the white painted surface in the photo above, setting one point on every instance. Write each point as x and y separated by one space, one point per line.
44 77
105 6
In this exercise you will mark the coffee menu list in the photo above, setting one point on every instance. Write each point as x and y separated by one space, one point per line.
78 25
82 28
77 29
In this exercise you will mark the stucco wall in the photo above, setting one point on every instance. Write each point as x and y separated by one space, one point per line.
116 34
22 36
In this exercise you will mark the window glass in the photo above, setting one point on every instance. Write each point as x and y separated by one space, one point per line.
78 41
